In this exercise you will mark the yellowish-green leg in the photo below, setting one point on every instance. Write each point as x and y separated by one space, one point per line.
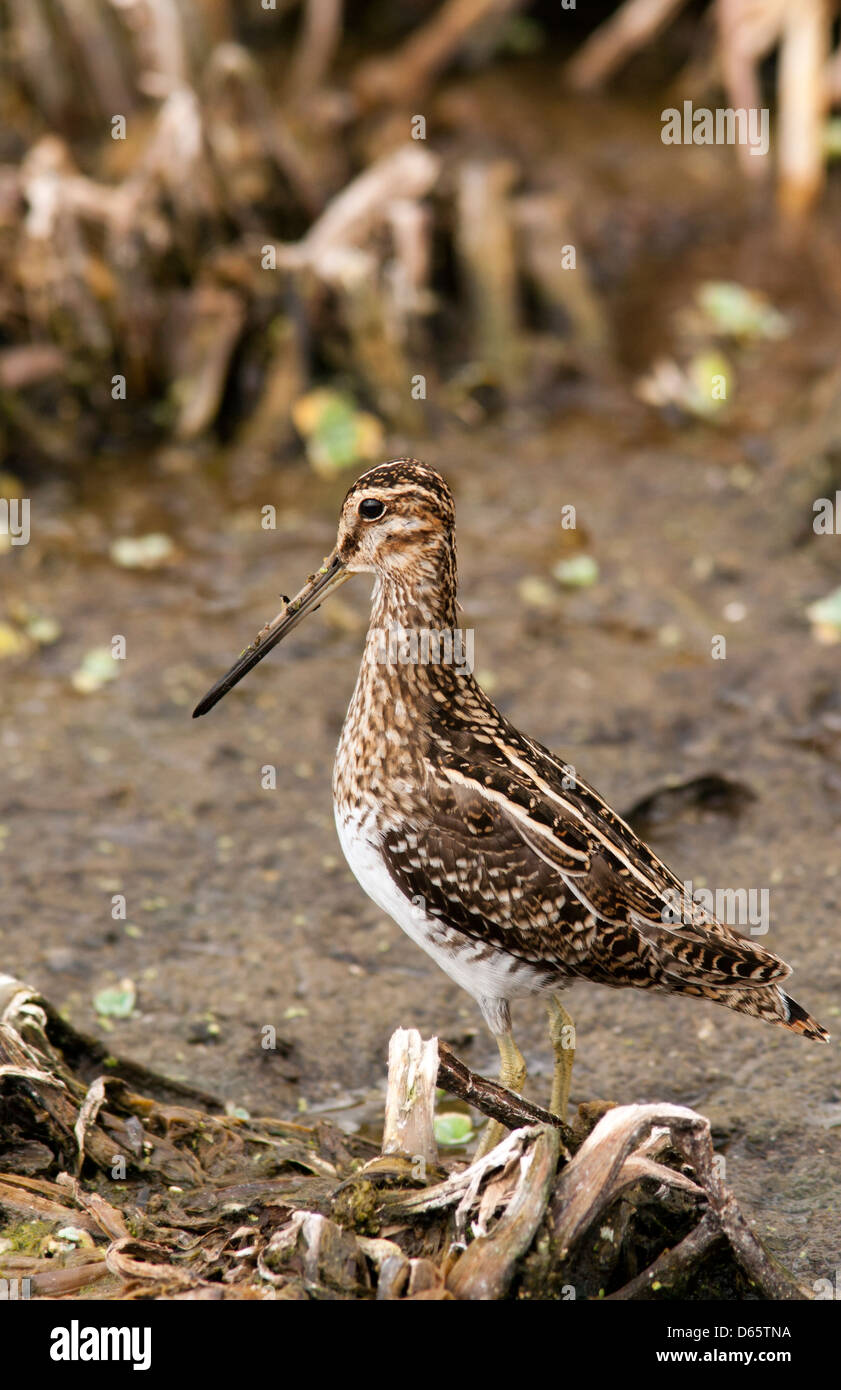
562 1033
512 1075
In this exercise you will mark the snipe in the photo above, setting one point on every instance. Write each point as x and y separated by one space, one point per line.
506 867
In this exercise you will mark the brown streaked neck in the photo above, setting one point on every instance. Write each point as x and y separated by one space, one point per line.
411 604
421 597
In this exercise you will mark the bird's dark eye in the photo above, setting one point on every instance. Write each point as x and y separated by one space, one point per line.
371 508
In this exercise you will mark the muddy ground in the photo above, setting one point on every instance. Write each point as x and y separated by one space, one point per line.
240 910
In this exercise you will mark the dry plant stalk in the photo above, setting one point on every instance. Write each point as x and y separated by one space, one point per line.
802 101
486 246
747 31
410 1096
631 26
408 72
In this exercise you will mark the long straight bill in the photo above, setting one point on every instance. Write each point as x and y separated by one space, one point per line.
317 587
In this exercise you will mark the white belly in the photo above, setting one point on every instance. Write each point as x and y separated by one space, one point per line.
490 976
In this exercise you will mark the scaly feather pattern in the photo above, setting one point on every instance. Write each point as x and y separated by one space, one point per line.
515 868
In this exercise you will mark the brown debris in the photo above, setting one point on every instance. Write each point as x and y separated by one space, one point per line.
204 1206
598 1173
489 1264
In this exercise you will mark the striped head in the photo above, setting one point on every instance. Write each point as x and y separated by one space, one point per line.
397 522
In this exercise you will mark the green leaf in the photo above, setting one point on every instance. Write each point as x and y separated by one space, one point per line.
98 667
825 616
116 1001
578 572
709 383
337 434
453 1128
737 312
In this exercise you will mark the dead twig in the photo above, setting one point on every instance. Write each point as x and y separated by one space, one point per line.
489 1097
673 1265
91 1106
461 1189
628 29
321 32
349 219
407 73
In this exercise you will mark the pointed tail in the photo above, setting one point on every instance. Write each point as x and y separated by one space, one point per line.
769 1002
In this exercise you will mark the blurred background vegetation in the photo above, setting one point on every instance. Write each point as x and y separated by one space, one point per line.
307 222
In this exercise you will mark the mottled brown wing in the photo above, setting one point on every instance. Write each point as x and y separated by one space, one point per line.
628 884
475 872
529 862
